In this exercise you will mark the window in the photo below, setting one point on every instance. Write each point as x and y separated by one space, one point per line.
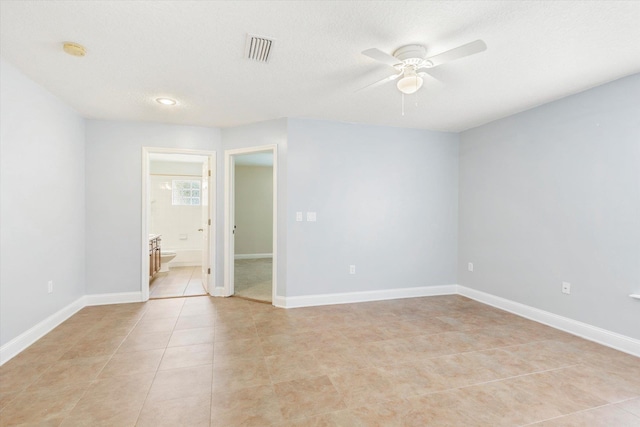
185 192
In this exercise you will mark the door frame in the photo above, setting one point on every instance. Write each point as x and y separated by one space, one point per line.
229 211
146 213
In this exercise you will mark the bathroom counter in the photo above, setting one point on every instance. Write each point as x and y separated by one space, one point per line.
155 260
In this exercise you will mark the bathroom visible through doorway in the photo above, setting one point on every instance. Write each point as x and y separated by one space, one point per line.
178 223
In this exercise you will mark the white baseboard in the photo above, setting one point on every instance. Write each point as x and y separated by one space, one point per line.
117 298
217 292
24 340
280 302
184 264
352 297
584 330
252 256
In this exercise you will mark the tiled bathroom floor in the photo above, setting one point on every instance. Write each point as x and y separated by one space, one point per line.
178 282
203 361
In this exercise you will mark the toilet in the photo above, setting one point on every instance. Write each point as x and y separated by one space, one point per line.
165 257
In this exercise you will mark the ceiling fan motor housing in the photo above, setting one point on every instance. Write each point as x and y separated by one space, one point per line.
411 54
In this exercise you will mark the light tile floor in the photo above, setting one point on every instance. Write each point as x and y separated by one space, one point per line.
178 282
252 278
205 361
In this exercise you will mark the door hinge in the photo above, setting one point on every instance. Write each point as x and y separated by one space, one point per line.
209 172
209 221
208 271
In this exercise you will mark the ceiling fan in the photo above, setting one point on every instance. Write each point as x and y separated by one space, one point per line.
412 63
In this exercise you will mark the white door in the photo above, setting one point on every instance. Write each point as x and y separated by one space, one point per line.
232 225
206 225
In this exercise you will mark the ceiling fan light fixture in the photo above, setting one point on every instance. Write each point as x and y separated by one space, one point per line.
410 84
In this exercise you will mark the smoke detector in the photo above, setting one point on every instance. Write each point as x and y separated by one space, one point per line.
74 49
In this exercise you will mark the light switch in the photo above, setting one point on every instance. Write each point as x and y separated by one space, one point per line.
298 216
311 216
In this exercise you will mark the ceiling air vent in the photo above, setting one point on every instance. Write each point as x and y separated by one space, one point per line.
259 48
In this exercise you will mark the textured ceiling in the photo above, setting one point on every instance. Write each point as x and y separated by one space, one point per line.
193 51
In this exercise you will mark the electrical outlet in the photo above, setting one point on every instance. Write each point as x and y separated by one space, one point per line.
50 286
470 266
311 216
352 269
298 216
566 287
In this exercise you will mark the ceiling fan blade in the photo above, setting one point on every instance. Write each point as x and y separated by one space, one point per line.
457 53
380 56
424 72
380 82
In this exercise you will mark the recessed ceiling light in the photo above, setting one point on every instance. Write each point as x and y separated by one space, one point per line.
166 101
74 49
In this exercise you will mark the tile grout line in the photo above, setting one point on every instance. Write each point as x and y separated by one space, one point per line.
626 410
99 372
158 367
566 415
45 371
213 365
493 353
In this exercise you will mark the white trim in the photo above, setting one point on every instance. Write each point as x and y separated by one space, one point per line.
218 292
184 264
274 231
279 301
229 255
116 298
144 257
33 334
583 330
353 297
144 261
252 256
212 207
228 267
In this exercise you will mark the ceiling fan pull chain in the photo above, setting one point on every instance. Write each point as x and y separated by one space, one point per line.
402 103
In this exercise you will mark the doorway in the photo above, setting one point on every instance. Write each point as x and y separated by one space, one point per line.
250 232
177 222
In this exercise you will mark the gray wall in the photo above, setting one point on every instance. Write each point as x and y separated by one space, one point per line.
548 195
386 201
553 195
164 167
253 209
42 204
114 195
